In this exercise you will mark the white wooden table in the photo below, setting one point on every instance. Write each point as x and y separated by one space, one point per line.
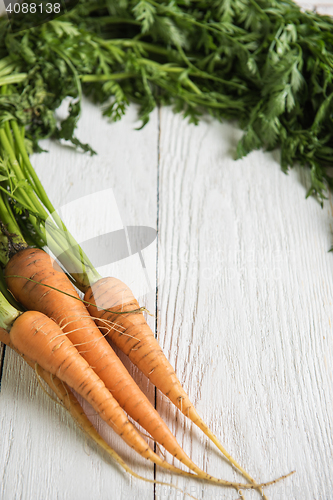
244 313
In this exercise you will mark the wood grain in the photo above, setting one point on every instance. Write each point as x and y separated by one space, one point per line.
245 314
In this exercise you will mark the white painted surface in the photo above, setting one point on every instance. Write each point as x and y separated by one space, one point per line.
43 456
244 314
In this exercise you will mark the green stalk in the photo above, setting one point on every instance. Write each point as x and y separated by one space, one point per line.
61 237
55 236
38 187
11 239
74 259
105 78
6 218
8 133
149 47
4 62
116 20
30 201
18 78
41 193
9 220
7 69
21 148
8 313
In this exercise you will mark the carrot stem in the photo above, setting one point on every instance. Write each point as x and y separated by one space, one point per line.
32 201
8 313
40 191
57 237
45 221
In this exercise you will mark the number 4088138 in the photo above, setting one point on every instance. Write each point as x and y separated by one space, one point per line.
32 8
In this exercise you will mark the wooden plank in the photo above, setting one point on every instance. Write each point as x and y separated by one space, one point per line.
43 455
245 309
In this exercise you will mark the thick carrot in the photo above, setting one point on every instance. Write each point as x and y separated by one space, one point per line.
26 272
132 335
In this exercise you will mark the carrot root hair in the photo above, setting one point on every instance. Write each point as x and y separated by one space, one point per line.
71 404
110 294
68 401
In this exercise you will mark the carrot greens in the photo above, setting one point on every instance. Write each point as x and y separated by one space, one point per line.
265 63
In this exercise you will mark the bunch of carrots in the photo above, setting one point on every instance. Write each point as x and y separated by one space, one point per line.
64 337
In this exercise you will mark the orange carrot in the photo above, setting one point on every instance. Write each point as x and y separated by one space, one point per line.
132 335
41 341
25 273
69 401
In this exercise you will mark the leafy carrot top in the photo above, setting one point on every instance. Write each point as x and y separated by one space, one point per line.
265 63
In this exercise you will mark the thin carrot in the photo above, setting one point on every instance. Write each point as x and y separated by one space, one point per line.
132 335
82 331
71 404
